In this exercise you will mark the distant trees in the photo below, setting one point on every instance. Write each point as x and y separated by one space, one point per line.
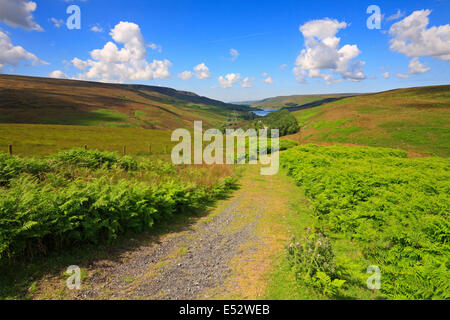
282 120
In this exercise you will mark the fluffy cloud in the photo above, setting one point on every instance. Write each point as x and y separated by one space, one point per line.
58 74
19 13
412 37
57 22
154 46
234 54
402 76
80 64
229 80
268 78
186 75
386 75
202 71
416 67
12 55
300 74
323 53
247 82
126 64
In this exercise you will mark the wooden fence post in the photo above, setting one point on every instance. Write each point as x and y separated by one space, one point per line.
124 150
10 150
85 147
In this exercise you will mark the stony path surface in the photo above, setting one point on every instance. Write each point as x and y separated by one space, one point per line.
225 254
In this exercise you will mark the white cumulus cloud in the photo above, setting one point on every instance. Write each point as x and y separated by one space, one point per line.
57 22
80 64
19 13
126 64
402 76
386 75
416 67
12 55
186 75
322 52
247 82
267 78
229 80
58 74
155 46
412 37
202 71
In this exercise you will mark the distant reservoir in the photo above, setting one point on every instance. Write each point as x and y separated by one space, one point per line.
264 112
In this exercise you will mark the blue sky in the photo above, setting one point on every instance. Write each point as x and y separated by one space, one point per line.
265 34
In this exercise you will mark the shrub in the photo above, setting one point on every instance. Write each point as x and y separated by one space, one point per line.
252 154
92 159
12 166
94 205
313 261
127 163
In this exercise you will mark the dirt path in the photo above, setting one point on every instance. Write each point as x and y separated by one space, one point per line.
226 254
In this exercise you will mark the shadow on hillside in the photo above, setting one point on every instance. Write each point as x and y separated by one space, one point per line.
18 279
32 98
31 107
317 103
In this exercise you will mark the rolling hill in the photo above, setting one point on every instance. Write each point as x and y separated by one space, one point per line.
294 100
31 100
414 119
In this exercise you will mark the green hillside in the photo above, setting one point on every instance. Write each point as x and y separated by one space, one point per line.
294 100
30 100
413 119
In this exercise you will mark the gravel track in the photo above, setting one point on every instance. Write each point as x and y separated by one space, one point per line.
192 264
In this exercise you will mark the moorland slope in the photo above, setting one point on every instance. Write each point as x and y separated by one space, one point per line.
31 100
414 119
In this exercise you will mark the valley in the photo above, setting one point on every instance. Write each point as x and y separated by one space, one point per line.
220 231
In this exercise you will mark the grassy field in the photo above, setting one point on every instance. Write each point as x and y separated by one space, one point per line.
29 100
415 119
39 140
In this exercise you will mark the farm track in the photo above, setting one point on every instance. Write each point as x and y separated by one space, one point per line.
226 254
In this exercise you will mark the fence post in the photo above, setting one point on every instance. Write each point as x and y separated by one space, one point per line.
10 150
124 150
85 147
